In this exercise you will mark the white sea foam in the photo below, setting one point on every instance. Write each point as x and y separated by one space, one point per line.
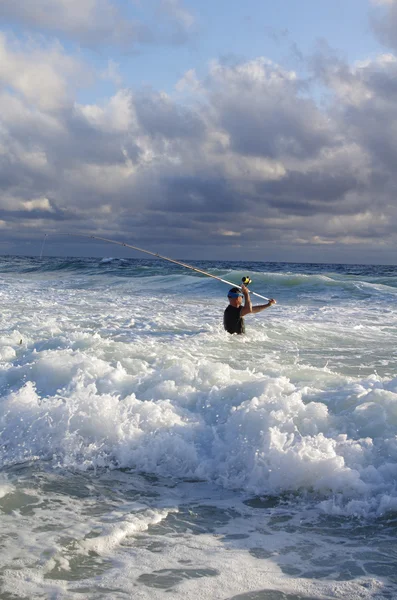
140 375
155 383
65 545
115 533
177 397
5 487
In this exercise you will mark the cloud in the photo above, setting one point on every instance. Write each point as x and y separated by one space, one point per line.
101 23
161 117
265 112
244 154
182 21
365 107
384 22
44 75
88 21
179 13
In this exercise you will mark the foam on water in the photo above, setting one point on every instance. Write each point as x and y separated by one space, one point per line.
99 371
5 487
70 535
154 383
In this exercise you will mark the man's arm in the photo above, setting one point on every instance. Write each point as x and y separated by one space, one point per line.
247 308
260 307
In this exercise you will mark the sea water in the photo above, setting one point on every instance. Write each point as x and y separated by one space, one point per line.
146 453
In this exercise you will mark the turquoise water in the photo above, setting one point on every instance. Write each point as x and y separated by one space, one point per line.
145 452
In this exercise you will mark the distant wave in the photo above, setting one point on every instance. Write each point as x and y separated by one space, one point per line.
111 259
356 280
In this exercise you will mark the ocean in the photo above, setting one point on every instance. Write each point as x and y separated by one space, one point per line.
148 454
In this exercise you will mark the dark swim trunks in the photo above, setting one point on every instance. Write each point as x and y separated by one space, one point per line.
233 322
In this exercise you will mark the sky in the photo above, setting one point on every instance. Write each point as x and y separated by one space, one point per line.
255 130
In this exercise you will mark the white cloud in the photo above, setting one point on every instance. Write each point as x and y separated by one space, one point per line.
116 114
44 76
102 23
88 21
37 203
189 82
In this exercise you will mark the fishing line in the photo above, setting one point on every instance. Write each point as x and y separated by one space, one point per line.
176 262
42 245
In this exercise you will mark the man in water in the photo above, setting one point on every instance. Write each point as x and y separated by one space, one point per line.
233 317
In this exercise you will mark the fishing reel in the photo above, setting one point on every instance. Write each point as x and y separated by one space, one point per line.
246 280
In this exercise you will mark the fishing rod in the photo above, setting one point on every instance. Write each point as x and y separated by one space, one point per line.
245 280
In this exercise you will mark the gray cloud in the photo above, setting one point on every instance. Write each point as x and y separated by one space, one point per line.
365 110
304 194
248 157
200 195
160 117
36 214
263 110
384 22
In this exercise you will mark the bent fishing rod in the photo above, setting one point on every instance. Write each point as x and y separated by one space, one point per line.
155 254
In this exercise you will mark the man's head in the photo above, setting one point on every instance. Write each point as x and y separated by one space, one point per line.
235 296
